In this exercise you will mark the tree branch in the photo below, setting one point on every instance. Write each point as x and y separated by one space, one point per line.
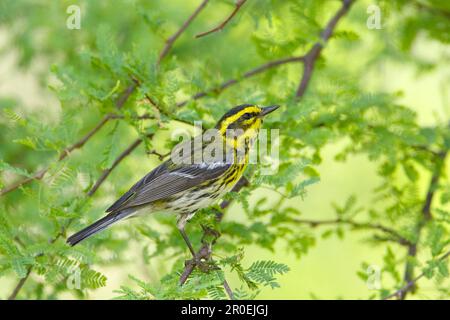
19 285
206 249
357 225
105 173
248 74
401 293
170 41
425 217
314 52
421 6
237 7
308 60
90 193
77 145
119 103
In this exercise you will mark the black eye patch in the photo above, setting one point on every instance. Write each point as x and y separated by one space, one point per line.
247 116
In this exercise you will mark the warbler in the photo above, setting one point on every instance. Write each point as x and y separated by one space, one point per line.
195 176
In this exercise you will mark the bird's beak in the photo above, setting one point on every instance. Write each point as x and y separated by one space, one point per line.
269 109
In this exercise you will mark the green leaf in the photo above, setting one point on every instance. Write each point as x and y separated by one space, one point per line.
19 171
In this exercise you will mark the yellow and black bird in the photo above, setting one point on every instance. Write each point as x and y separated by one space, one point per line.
185 186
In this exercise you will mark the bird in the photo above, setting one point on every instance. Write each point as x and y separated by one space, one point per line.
189 180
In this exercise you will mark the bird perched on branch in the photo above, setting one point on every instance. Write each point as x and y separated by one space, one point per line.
196 175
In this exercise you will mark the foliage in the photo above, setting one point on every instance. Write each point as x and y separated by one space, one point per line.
119 46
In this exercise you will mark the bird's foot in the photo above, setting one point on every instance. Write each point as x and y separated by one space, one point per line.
202 259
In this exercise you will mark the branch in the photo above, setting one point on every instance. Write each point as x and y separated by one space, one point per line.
119 103
170 41
238 5
357 225
314 52
248 74
223 86
442 12
77 145
401 293
19 285
90 193
206 249
426 216
308 60
105 173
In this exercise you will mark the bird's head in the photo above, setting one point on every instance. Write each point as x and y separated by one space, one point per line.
240 126
245 119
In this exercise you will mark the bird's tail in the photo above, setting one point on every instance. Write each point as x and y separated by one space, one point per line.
98 226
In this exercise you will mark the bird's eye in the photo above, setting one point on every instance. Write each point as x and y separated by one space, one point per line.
246 116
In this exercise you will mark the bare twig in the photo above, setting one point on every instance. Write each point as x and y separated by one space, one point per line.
144 116
357 225
161 156
401 293
237 7
228 290
170 41
314 52
248 74
105 173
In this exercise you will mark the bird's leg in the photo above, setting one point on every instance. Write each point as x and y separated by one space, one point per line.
199 259
180 225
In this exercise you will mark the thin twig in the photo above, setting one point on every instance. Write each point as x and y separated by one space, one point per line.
105 173
145 116
357 225
228 289
253 72
170 41
314 52
19 285
401 293
161 156
237 7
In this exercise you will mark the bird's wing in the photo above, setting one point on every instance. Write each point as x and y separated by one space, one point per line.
177 181
122 202
169 179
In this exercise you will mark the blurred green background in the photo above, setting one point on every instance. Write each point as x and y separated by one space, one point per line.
404 58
